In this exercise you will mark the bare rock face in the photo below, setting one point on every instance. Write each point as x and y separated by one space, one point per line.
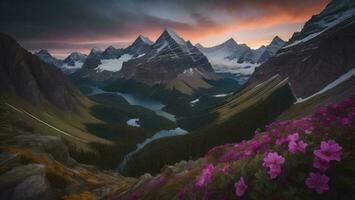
319 54
52 145
20 173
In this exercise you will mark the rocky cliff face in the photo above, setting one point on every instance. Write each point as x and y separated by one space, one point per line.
319 54
34 80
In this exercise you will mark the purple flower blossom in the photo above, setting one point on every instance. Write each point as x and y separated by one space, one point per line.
281 141
294 146
206 176
329 151
318 182
273 161
240 187
293 137
274 171
320 164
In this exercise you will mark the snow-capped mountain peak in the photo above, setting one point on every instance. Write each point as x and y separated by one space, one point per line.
175 36
44 55
277 41
145 39
75 56
230 42
95 50
43 52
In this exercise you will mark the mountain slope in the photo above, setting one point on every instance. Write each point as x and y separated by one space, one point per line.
319 54
29 77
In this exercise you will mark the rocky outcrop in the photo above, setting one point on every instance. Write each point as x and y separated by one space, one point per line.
39 167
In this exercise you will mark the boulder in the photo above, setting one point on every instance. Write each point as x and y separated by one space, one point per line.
32 188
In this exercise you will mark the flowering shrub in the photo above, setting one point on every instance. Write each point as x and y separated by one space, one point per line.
292 159
273 162
205 176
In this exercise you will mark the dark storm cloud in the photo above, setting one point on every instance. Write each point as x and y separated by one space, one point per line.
65 19
71 23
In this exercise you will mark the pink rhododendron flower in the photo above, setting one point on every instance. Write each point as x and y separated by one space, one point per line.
240 187
329 151
274 171
280 141
273 161
205 176
320 164
294 146
293 137
318 182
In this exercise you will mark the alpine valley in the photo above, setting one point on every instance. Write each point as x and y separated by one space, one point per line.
171 119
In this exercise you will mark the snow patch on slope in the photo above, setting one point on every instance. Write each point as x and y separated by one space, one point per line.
331 85
233 67
133 122
77 65
113 65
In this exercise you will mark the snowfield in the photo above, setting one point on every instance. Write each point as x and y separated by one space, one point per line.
77 65
133 122
113 65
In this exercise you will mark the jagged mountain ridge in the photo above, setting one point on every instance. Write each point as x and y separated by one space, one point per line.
137 48
319 54
171 62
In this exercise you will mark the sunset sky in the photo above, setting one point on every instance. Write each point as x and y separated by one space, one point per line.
63 26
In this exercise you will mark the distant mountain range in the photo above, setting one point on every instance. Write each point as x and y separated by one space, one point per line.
171 62
69 65
239 59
